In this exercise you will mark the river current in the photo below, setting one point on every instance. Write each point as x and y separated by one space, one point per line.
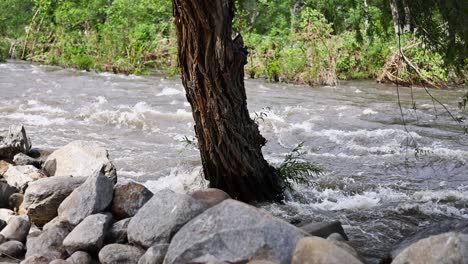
382 181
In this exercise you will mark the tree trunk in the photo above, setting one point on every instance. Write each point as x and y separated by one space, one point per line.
366 16
212 70
395 16
407 27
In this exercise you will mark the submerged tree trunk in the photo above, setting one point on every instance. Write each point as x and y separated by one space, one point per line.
212 69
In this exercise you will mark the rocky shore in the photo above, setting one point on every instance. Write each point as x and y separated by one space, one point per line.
68 206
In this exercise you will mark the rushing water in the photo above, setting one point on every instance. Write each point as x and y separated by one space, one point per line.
374 181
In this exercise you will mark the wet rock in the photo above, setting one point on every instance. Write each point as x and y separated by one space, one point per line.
13 249
5 192
80 158
43 197
17 228
92 197
117 234
129 197
234 232
20 176
118 253
80 257
338 240
447 248
47 244
13 142
460 226
324 229
161 217
88 235
210 197
154 254
320 251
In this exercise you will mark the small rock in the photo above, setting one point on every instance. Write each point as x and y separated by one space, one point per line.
20 176
4 166
92 197
15 202
234 232
317 250
117 234
80 158
13 142
17 228
12 248
22 159
88 235
43 197
447 248
129 197
47 244
154 254
117 253
323 229
161 217
210 197
5 192
80 257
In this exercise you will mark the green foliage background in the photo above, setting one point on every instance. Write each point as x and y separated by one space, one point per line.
308 41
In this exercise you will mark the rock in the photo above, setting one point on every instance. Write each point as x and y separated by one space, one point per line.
154 254
58 261
12 248
447 248
316 250
17 228
260 262
13 142
338 240
53 223
129 197
43 197
234 232
2 225
5 192
92 197
80 158
15 202
117 234
460 226
161 217
36 260
88 235
323 229
118 253
20 176
22 159
80 257
47 244
4 166
6 214
210 197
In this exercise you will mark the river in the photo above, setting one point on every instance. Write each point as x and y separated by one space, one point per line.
375 182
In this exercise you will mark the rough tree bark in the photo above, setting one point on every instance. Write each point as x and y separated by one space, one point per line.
212 70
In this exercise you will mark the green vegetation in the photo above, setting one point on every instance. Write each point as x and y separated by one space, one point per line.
301 41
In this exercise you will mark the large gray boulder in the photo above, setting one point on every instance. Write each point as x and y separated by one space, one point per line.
17 228
5 191
447 248
80 158
129 197
234 232
88 235
117 234
320 251
161 217
14 141
154 254
20 176
43 197
118 253
92 197
48 244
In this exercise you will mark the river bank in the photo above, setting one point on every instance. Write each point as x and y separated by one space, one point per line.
374 181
